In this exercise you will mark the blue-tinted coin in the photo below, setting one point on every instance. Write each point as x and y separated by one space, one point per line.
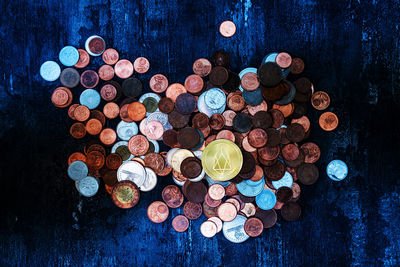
253 98
210 182
234 230
69 56
250 190
266 200
90 98
337 170
125 130
77 170
50 71
95 45
88 186
215 98
269 58
286 180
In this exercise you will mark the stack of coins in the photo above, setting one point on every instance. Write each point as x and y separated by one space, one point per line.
238 144
120 125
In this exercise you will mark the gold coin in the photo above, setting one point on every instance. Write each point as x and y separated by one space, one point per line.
222 160
125 194
178 157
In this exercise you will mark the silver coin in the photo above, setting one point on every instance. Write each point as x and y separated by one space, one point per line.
88 186
125 130
132 171
150 182
161 117
234 230
170 153
198 154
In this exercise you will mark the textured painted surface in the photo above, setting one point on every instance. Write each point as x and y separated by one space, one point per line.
351 49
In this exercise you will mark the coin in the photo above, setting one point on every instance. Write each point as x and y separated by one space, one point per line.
250 81
93 126
111 110
154 161
108 136
84 59
69 77
194 83
157 212
234 230
249 209
95 45
76 156
158 83
138 145
106 72
328 121
191 167
125 194
113 161
291 211
227 28
174 90
154 130
257 138
297 66
50 71
284 60
216 191
132 171
180 223
307 173
150 181
208 229
266 200
217 222
337 170
110 56
141 65
253 227
194 191
90 98
311 152
178 157
77 170
284 194
202 67
68 56
88 186
320 100
227 212
192 210
123 69
268 217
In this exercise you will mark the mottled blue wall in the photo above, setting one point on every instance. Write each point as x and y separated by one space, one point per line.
351 49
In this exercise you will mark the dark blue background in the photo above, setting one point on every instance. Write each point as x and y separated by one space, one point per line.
351 50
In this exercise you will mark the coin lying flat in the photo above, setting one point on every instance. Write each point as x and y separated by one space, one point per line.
132 171
125 194
234 230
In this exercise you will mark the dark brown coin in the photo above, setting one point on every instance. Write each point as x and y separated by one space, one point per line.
154 161
218 75
295 132
110 177
178 120
89 79
284 140
307 173
77 130
253 227
247 175
95 147
209 211
96 114
284 194
200 121
291 211
297 162
220 58
170 138
269 153
231 189
195 191
257 137
274 137
290 152
311 152
303 85
277 92
297 66
188 137
248 163
277 118
113 161
166 105
95 160
217 121
180 223
192 210
274 172
191 167
172 196
246 199
242 123
262 119
268 217
270 74
233 82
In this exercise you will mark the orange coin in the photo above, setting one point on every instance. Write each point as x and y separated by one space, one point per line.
111 110
76 156
174 90
286 110
108 136
141 65
136 111
328 121
320 100
81 113
93 126
138 145
123 69
303 121
110 56
106 72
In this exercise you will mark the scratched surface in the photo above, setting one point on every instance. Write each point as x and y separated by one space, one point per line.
352 51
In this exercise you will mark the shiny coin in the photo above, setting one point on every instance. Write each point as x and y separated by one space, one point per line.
227 28
50 71
266 200
88 186
216 191
125 194
141 65
68 56
217 222
150 181
77 170
110 56
253 227
132 171
337 170
180 223
227 212
84 59
157 212
328 121
234 230
90 98
208 229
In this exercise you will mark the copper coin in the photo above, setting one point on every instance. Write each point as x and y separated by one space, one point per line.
108 136
157 212
191 167
113 161
277 118
158 83
84 59
136 111
89 79
320 100
297 66
208 229
269 153
77 130
328 121
253 227
123 69
268 217
216 191
250 81
200 121
210 139
154 130
174 90
202 67
212 202
227 212
209 211
111 110
257 138
166 105
226 134
291 211
303 121
286 110
229 115
110 56
109 177
194 83
138 145
219 75
170 138
307 173
125 194
192 210
237 202
106 72
76 156
188 137
95 114
108 92
258 175
311 152
295 132
93 126
167 170
231 189
195 191
227 28
154 161
217 121
71 110
290 152
284 60
284 194
95 160
59 96
236 103
141 65
254 109
180 223
274 172
172 196
123 113
95 147
296 191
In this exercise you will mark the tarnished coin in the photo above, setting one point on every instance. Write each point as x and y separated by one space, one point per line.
172 196
253 227
180 223
192 210
125 194
132 171
320 100
157 212
328 121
